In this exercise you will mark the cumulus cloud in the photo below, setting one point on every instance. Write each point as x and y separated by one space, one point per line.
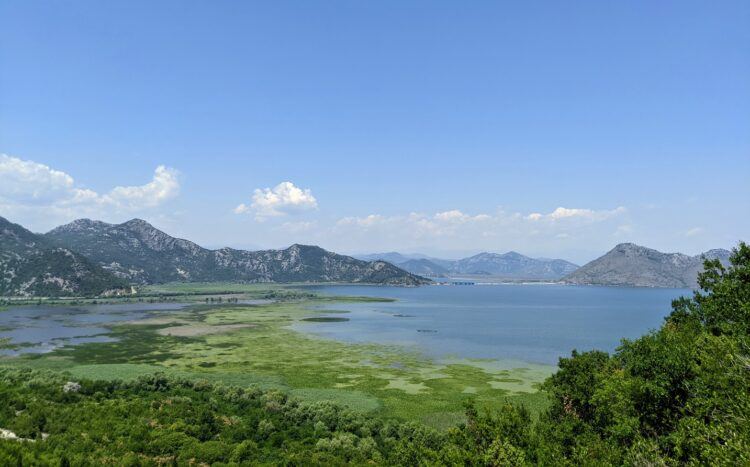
562 213
500 230
31 186
285 198
163 186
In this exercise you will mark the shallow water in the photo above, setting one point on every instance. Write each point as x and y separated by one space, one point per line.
39 329
535 323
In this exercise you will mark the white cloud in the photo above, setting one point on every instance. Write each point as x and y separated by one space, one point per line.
451 216
165 185
695 231
241 208
499 231
29 187
562 213
283 199
31 182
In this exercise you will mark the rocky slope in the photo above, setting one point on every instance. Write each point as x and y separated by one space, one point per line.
138 252
30 265
628 264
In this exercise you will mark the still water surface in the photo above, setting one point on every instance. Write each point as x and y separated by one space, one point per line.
39 329
536 323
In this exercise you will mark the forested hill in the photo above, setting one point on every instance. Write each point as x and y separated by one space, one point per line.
141 253
30 265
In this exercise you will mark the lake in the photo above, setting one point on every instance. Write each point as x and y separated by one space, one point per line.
532 323
535 323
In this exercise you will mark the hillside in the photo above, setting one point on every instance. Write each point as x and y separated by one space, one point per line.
30 265
138 252
513 265
423 267
391 257
628 264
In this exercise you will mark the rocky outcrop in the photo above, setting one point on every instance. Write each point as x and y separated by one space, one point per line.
628 264
31 265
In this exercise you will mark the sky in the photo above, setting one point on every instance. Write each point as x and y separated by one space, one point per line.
554 129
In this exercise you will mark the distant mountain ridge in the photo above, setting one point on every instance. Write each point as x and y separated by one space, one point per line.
628 264
138 252
31 265
511 265
514 265
423 267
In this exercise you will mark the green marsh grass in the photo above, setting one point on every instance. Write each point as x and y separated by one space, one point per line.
388 380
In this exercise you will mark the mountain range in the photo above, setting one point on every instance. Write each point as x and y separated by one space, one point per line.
89 257
31 265
632 265
511 265
143 254
626 265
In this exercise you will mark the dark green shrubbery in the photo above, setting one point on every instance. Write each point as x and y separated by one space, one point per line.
163 420
678 395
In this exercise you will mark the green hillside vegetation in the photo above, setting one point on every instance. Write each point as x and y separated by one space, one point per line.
678 395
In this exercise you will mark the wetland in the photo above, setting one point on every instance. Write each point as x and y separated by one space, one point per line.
412 354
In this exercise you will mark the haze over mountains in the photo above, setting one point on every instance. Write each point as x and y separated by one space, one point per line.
511 265
89 257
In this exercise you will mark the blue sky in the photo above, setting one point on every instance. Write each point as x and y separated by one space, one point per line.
550 128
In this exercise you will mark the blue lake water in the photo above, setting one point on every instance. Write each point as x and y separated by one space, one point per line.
536 323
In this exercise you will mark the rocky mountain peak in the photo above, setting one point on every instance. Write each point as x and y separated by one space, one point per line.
716 253
629 264
137 224
81 225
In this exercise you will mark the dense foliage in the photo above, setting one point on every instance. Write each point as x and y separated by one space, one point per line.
157 420
678 395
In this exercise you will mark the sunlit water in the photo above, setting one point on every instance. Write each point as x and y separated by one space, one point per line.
536 323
